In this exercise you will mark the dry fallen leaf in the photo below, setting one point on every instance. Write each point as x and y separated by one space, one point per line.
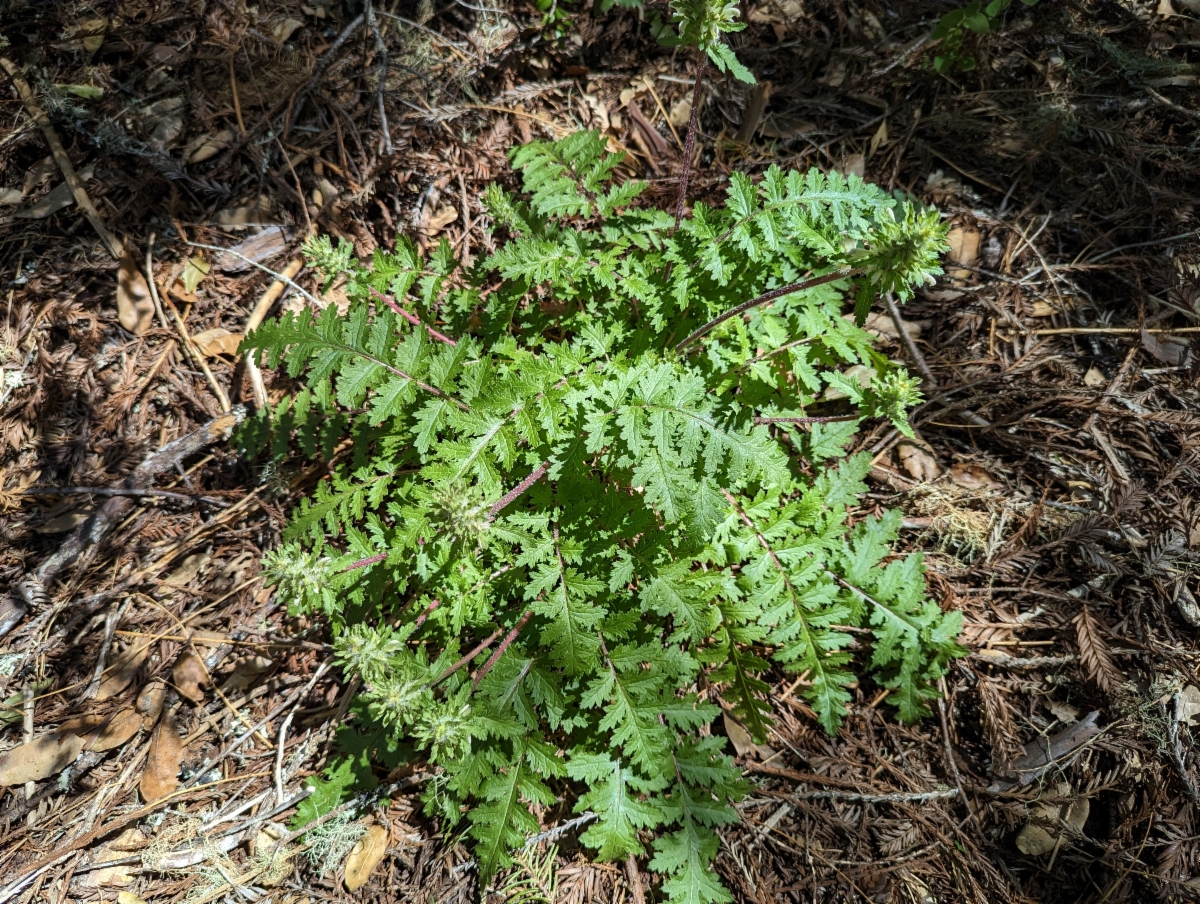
217 341
1170 350
884 328
121 672
442 217
738 736
257 247
135 308
855 165
918 460
189 676
1064 712
245 217
47 755
681 112
150 703
973 477
247 671
964 249
59 197
39 173
187 570
1094 377
200 149
193 273
283 30
365 856
1044 309
120 728
1187 704
879 138
1035 840
64 522
128 897
162 761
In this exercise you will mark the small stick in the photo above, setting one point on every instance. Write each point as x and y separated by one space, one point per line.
194 353
381 47
1110 330
855 797
257 388
162 318
636 893
124 491
60 157
283 730
465 253
237 103
28 704
907 341
278 276
110 627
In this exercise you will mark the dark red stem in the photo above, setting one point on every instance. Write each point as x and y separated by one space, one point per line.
689 143
516 491
412 318
807 420
369 560
504 644
763 299
424 615
458 665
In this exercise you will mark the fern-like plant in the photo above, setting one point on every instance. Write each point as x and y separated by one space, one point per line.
585 502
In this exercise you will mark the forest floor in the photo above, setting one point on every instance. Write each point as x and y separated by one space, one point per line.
1054 486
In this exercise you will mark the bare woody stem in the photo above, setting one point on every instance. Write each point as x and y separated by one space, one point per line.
764 299
689 143
504 645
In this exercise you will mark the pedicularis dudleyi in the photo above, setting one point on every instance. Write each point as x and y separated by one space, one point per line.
583 505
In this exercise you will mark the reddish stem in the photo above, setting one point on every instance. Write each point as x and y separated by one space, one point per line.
363 563
689 144
504 644
807 420
763 299
516 491
458 665
412 318
424 615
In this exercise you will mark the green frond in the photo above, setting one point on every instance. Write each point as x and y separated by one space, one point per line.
542 525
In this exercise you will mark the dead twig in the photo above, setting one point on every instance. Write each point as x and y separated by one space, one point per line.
381 47
126 491
64 162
